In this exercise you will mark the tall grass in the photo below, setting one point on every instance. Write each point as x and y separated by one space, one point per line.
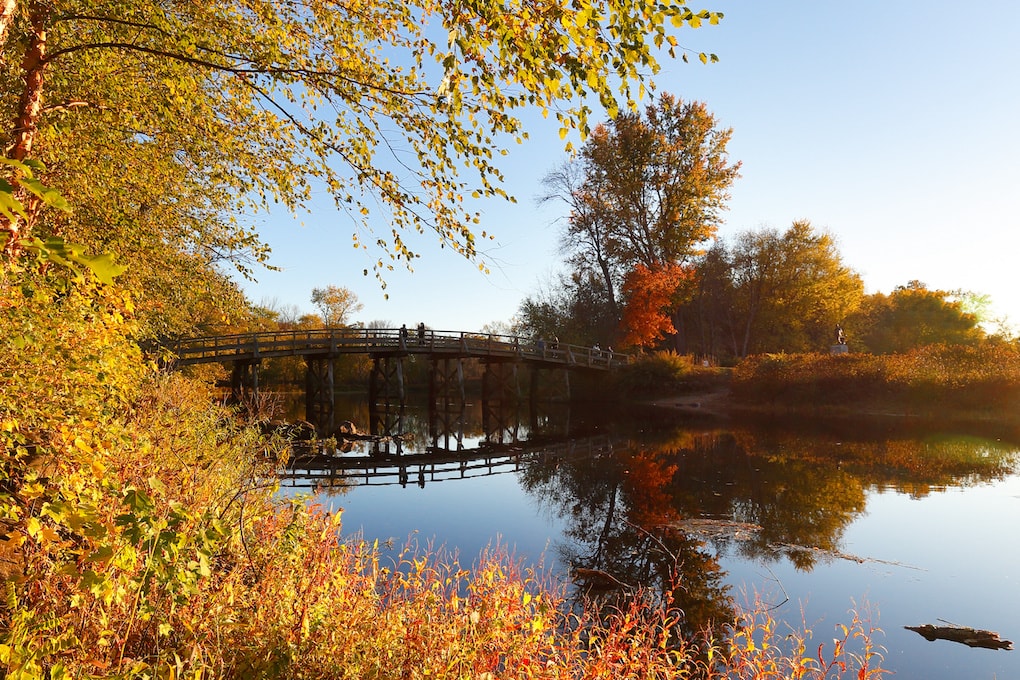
937 379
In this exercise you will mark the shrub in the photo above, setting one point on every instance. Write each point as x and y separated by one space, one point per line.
656 373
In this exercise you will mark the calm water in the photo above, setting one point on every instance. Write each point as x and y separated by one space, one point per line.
915 526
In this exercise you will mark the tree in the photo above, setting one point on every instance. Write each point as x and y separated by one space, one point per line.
645 191
649 292
708 315
913 316
585 241
793 289
773 292
336 305
379 104
661 181
572 308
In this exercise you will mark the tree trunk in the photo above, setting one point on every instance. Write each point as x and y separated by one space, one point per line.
33 69
607 276
26 125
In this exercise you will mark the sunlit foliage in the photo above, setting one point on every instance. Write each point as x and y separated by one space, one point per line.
395 107
964 381
645 191
649 293
789 290
336 304
912 316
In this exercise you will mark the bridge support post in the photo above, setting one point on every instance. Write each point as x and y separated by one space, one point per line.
244 380
386 396
554 391
447 402
319 393
501 395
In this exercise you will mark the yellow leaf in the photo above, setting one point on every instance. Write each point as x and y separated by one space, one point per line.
98 469
48 534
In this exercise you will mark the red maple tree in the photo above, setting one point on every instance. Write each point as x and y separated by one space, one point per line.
649 293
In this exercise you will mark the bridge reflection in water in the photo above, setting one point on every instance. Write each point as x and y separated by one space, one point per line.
401 457
320 469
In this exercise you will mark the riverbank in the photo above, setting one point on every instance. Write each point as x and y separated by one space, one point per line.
962 386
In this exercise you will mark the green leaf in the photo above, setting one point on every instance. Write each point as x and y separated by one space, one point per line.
50 197
25 167
11 206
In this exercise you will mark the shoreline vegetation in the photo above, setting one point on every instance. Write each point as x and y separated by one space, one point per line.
936 383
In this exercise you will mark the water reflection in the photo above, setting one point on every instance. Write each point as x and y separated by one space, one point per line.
639 500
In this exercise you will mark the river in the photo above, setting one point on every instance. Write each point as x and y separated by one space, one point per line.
908 525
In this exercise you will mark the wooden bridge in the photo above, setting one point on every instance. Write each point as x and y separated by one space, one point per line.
389 342
502 356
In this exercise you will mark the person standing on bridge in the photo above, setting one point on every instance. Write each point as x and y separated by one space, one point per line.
421 333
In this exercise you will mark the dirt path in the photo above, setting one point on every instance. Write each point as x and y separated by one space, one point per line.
712 402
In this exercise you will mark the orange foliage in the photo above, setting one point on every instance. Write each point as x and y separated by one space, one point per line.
648 480
649 292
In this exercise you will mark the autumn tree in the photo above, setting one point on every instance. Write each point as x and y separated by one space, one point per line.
913 316
649 294
791 289
770 291
661 180
645 190
336 304
708 316
401 105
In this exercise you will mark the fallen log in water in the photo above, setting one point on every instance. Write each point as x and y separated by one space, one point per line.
968 636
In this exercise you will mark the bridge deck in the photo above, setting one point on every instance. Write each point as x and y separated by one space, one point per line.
378 342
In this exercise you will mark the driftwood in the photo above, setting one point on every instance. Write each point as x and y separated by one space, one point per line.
716 528
967 636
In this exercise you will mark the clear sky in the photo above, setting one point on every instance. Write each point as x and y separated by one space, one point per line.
892 124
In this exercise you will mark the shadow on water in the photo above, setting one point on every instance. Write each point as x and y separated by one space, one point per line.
644 501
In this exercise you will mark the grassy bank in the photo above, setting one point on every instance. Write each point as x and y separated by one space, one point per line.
979 383
962 383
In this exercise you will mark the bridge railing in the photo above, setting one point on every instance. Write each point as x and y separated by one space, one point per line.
389 340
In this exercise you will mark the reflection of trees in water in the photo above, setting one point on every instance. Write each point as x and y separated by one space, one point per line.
804 488
624 513
617 516
795 502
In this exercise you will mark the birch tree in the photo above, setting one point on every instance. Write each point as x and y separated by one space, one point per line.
397 109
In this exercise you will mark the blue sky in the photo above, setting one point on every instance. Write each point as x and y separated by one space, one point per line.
893 125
